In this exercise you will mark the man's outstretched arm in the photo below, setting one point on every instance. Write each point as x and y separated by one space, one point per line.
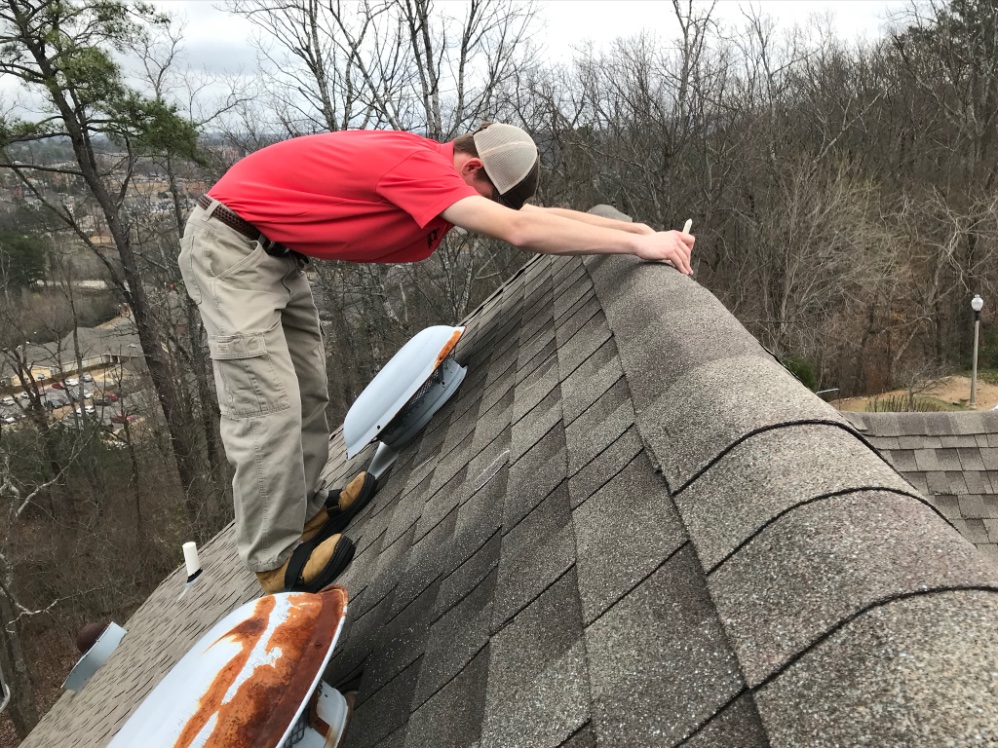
595 220
544 231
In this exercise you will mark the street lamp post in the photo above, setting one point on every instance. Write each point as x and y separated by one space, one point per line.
977 304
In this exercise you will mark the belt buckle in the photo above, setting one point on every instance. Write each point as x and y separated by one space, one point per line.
272 248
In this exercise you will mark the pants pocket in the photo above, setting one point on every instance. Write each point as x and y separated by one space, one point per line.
186 262
245 376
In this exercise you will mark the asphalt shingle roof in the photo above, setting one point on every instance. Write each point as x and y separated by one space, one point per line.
951 458
631 527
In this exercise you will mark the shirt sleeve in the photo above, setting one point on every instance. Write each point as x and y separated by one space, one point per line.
424 185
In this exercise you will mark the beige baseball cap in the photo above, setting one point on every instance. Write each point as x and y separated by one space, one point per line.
511 161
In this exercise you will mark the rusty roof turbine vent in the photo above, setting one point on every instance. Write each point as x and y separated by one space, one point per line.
402 398
254 680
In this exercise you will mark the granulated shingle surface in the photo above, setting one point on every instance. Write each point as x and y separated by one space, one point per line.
633 527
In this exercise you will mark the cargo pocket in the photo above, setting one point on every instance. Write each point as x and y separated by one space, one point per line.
245 378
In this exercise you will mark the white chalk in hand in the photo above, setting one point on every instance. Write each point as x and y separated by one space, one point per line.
191 558
688 225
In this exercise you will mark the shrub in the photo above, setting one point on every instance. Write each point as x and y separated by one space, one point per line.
802 369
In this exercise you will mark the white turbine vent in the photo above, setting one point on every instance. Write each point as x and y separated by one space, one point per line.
405 394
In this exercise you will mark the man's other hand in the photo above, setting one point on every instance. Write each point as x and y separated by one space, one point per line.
672 246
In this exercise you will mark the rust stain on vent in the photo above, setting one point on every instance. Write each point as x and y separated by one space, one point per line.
445 351
259 711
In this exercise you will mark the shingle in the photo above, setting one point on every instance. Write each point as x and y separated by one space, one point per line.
971 507
534 475
358 574
450 464
360 635
770 473
738 725
496 391
938 482
429 447
410 507
455 638
535 388
538 692
536 334
489 458
714 406
543 418
492 422
667 626
453 717
588 382
603 467
578 291
918 481
534 554
976 483
478 519
391 562
601 425
566 272
876 681
973 530
465 578
948 506
902 460
424 562
540 349
658 349
822 563
989 456
583 738
383 713
623 532
582 345
576 318
442 503
948 459
401 642
468 398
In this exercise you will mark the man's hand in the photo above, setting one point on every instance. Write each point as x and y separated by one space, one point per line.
672 246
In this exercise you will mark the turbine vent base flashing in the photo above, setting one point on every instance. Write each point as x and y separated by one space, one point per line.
430 398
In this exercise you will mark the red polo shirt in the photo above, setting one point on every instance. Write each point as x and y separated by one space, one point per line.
358 195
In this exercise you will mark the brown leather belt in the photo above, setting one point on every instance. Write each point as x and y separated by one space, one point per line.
231 219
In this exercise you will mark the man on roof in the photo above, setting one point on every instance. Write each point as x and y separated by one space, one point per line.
361 196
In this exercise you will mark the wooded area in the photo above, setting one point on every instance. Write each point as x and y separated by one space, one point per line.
843 197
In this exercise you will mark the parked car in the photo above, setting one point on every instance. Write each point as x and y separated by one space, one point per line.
9 419
72 382
89 409
57 385
7 400
87 377
40 377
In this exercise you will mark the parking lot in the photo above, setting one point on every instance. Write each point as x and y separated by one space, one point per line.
95 396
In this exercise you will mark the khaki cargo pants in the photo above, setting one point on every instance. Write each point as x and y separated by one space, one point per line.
270 375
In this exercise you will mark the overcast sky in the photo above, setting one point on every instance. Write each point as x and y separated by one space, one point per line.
565 24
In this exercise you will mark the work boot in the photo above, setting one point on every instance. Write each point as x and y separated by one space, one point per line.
343 505
315 524
311 566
